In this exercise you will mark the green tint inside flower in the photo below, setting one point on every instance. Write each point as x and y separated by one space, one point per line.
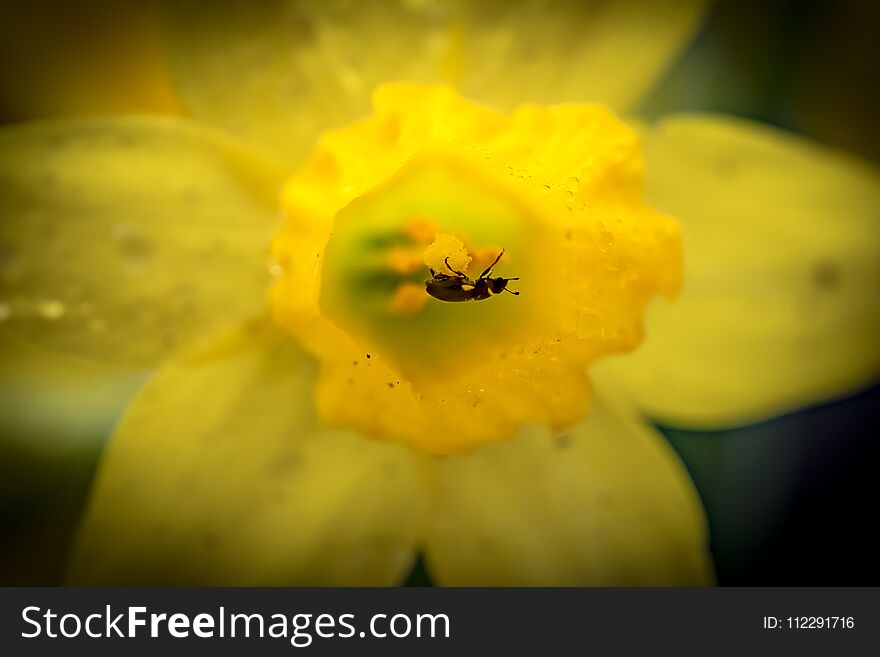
440 339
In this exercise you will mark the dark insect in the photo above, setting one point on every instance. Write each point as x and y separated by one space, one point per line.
458 287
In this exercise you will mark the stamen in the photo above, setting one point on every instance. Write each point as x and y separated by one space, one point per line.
408 298
445 249
421 230
405 260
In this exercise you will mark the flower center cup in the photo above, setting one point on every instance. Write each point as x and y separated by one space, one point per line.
360 280
432 181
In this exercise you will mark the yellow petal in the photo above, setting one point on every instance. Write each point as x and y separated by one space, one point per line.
782 276
607 503
120 237
279 73
84 58
219 474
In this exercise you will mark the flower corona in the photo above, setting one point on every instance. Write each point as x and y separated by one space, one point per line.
431 174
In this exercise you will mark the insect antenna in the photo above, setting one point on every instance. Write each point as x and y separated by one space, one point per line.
489 268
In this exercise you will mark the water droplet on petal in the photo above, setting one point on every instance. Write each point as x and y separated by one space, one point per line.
276 269
52 309
136 249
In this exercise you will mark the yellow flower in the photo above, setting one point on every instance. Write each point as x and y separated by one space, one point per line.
144 240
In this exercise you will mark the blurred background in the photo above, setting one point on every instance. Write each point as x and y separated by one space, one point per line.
790 501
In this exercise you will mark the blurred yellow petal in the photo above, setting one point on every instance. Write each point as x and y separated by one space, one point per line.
51 405
120 237
62 58
280 72
220 474
607 503
782 276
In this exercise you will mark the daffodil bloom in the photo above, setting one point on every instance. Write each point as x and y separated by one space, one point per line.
315 417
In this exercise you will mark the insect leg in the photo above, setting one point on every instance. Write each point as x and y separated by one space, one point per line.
452 270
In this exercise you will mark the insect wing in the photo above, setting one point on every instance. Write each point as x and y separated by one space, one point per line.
452 288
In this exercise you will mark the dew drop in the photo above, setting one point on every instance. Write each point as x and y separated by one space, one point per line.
136 249
5 311
52 309
276 269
